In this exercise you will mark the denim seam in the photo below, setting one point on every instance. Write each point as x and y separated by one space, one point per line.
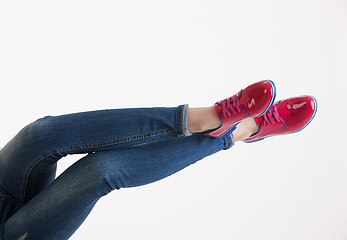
5 194
102 144
9 197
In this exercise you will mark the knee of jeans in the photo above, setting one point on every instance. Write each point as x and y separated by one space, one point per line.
104 173
30 133
36 132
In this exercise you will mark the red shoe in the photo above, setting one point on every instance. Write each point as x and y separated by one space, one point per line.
284 117
252 101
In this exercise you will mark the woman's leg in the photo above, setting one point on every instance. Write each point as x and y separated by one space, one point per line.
28 161
59 209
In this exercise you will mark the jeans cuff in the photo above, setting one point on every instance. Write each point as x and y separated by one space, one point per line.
181 122
229 141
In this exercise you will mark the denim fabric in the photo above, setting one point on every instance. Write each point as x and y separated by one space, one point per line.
125 148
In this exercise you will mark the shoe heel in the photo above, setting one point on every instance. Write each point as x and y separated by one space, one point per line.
229 131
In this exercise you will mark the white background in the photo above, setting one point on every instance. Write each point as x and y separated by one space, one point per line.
63 56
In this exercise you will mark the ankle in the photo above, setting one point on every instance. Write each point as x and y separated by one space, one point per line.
212 121
246 128
203 119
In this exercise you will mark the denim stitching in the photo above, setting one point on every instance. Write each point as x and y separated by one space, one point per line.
9 197
5 194
108 143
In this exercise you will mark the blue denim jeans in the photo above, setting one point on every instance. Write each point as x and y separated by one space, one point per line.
125 148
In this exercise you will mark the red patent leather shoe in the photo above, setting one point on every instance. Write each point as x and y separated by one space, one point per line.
252 101
284 117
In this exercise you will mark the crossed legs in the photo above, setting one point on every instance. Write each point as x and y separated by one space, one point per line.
126 148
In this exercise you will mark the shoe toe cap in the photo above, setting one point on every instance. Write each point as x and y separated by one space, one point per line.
301 111
258 97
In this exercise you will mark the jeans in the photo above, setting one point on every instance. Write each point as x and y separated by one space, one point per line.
125 148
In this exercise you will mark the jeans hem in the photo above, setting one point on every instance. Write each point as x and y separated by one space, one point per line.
181 121
229 141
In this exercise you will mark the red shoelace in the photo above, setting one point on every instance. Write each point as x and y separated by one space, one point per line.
271 115
229 105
